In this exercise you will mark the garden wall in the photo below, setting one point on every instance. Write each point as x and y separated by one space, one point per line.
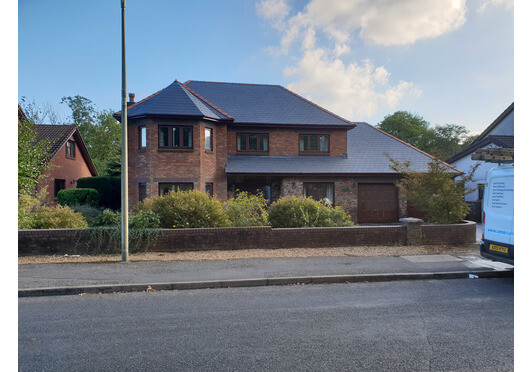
85 241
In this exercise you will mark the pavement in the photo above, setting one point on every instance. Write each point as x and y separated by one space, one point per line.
84 278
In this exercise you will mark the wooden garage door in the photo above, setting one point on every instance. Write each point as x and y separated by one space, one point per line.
377 202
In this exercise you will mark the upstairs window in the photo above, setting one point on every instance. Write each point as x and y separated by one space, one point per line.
142 137
252 142
314 143
175 137
208 139
70 149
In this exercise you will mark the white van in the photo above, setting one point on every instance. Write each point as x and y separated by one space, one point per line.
498 216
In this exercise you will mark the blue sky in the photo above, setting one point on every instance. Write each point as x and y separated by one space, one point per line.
448 61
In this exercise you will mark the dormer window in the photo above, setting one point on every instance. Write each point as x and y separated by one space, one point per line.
252 142
314 143
70 149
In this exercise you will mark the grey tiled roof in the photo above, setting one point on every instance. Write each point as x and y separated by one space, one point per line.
265 104
366 154
174 100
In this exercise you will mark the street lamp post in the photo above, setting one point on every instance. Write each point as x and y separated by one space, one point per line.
124 220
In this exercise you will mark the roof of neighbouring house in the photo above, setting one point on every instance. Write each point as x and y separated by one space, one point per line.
367 150
496 122
251 104
57 135
499 141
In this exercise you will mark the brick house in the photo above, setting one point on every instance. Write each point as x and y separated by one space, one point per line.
69 159
224 137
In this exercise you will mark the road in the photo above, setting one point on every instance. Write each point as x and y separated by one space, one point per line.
435 325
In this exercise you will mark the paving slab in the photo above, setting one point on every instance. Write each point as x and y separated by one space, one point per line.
276 270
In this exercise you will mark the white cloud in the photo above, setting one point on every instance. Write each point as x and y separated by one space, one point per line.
325 31
274 11
508 4
350 90
384 22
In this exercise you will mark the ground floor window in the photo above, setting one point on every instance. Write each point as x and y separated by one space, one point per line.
320 191
165 188
142 191
209 189
58 186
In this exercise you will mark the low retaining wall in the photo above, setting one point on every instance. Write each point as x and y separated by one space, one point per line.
83 241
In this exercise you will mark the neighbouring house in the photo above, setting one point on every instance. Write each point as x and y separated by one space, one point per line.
499 134
68 157
225 137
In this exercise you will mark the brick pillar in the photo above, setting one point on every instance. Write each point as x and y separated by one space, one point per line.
413 230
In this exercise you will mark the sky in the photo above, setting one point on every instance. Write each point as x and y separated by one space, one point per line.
449 61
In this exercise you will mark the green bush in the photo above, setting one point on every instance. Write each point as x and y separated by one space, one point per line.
90 212
436 192
306 212
26 207
107 187
246 209
187 209
108 218
145 219
58 217
78 196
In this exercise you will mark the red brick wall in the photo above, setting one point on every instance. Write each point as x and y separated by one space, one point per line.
77 241
286 141
154 165
63 168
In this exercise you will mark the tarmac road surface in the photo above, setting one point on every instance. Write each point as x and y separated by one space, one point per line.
429 325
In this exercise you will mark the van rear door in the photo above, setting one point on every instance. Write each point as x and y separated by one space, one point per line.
499 215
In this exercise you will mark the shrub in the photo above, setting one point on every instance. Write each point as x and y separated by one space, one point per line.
107 187
90 213
58 217
108 218
187 209
436 191
246 209
26 206
145 219
78 196
306 212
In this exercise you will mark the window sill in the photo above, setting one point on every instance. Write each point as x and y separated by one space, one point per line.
252 153
209 151
314 154
174 150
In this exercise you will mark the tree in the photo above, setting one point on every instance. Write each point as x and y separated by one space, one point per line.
448 140
441 141
437 192
408 127
40 114
100 131
33 157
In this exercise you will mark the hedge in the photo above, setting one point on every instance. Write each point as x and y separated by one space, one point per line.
78 196
107 187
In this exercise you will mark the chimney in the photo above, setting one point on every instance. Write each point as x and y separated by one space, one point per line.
131 99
